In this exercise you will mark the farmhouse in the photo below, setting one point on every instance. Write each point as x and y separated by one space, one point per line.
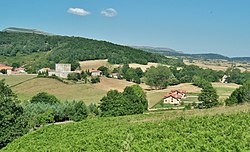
182 93
7 68
43 70
19 71
62 70
95 73
172 99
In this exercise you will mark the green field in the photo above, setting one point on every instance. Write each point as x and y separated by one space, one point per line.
26 87
216 129
12 80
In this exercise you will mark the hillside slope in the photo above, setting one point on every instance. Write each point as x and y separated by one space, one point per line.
37 50
195 130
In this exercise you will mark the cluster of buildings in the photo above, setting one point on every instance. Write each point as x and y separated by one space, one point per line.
175 97
63 70
11 70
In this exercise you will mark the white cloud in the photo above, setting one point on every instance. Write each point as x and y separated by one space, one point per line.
110 12
78 11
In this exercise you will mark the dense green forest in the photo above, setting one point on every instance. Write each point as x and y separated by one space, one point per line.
142 133
37 50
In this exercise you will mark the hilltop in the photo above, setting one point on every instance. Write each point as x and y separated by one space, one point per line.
24 30
38 50
199 130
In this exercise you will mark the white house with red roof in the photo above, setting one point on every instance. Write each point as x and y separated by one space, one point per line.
172 99
95 73
7 68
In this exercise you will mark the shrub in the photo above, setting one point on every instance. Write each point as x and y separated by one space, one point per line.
44 97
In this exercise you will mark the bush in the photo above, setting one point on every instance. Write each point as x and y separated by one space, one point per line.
131 101
240 95
95 80
44 97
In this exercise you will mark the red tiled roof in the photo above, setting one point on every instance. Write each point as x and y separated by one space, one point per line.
95 71
45 69
179 91
176 96
5 67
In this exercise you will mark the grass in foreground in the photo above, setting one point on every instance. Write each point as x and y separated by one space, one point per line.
194 130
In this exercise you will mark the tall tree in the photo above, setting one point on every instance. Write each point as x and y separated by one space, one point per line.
12 122
208 96
158 77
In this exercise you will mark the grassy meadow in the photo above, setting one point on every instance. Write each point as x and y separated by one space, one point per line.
26 87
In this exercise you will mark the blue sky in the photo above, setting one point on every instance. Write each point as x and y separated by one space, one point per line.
192 26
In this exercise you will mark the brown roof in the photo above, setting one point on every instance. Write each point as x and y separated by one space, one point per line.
179 91
5 67
95 71
176 96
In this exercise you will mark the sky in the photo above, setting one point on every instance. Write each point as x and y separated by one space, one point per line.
191 26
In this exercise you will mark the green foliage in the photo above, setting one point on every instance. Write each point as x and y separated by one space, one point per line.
74 76
236 76
44 97
130 74
37 51
12 122
105 70
79 111
208 96
131 101
95 80
188 72
158 77
3 71
142 133
240 95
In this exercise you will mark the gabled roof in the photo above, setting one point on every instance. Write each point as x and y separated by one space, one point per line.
176 96
179 91
95 71
5 67
45 69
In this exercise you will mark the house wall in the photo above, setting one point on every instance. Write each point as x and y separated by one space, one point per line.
63 67
171 100
61 74
95 74
9 72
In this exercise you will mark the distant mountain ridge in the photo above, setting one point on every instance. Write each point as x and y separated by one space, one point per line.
24 30
172 52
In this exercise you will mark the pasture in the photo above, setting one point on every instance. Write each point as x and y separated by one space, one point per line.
92 93
13 80
95 64
224 90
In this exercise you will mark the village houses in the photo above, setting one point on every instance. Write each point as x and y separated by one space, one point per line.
174 97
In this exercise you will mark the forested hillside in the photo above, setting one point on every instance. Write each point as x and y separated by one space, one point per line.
37 50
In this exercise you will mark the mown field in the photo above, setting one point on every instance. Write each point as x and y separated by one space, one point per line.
13 80
216 129
26 87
